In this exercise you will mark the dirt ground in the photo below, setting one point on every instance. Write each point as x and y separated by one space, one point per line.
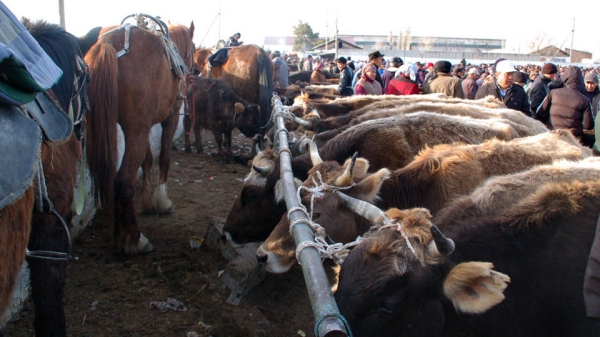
109 295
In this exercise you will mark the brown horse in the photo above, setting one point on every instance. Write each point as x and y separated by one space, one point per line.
249 70
44 225
137 89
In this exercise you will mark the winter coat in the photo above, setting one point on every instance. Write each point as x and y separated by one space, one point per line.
402 85
515 97
594 98
367 86
537 92
345 86
387 76
470 88
446 84
567 107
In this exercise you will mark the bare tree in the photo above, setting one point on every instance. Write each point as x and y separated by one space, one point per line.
540 41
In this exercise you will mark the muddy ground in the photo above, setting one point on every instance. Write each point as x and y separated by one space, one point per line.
109 295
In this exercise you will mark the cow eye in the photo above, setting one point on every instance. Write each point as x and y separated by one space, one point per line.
316 216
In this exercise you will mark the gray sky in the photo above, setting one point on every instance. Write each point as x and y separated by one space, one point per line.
518 22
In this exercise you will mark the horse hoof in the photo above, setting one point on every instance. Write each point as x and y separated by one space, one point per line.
144 246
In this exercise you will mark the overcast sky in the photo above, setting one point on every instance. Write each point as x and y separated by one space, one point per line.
518 22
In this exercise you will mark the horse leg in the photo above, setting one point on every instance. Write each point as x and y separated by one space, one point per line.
48 233
146 197
128 238
162 203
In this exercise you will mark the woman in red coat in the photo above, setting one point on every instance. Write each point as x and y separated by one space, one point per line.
404 82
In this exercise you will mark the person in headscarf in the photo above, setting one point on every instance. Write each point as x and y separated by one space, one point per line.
405 81
368 85
317 76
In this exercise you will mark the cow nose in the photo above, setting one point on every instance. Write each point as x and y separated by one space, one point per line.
262 259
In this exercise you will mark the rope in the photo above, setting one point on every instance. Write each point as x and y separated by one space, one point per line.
393 225
324 317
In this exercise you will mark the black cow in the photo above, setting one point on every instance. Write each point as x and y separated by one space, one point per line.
410 280
219 109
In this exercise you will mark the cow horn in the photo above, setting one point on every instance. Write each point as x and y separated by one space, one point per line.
302 121
443 245
262 170
346 178
360 207
315 158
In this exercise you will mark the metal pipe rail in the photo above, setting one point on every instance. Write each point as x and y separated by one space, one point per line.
328 321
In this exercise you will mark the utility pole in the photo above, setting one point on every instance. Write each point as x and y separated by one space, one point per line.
572 37
326 28
219 22
336 38
61 13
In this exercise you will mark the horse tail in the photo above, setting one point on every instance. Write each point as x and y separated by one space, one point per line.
265 83
103 92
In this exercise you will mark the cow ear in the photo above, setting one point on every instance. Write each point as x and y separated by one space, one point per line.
239 107
368 188
474 287
280 193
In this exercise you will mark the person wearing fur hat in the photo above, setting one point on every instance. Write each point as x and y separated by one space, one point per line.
404 83
540 87
504 89
443 82
567 107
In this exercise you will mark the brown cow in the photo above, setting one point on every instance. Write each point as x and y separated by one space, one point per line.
533 229
436 176
219 109
386 143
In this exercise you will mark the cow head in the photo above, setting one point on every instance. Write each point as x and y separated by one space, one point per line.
258 208
247 118
398 280
277 253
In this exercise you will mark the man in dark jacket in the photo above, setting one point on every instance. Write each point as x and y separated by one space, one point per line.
377 59
539 88
567 107
591 282
345 87
503 88
390 72
592 92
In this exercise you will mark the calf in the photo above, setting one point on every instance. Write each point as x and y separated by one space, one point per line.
218 108
435 177
406 278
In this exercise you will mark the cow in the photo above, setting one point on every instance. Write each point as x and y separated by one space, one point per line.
382 109
386 143
507 267
435 177
218 108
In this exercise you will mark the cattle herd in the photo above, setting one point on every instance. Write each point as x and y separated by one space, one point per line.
469 219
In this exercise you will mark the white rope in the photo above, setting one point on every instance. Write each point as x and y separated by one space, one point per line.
336 251
393 225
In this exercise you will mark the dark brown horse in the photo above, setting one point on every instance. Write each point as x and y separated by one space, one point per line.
249 70
137 89
42 228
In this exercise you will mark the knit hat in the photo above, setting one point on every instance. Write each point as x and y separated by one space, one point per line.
591 77
549 69
443 66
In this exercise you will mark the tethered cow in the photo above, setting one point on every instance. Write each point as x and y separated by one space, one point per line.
435 177
532 230
388 142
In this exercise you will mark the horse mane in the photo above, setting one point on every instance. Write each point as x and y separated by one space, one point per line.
60 46
178 34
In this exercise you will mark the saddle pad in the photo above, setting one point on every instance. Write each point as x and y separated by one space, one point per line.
20 142
54 122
